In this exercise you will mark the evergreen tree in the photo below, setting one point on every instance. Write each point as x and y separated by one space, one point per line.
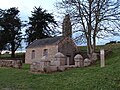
41 25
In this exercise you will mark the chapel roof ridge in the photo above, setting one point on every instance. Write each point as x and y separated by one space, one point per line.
45 41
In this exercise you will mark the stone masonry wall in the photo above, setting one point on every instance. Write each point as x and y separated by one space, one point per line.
68 48
52 50
11 63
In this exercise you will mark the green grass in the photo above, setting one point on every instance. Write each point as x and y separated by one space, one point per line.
20 56
17 55
87 78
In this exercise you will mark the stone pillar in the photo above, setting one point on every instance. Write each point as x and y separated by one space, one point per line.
45 61
87 62
59 59
102 58
68 61
40 66
34 67
78 60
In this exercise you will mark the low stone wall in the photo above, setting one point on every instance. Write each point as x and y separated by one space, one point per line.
58 64
11 63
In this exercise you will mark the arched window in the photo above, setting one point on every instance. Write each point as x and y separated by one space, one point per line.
45 52
33 54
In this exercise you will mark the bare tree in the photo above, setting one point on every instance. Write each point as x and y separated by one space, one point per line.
93 18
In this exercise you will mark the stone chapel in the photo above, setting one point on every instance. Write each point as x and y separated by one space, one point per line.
50 46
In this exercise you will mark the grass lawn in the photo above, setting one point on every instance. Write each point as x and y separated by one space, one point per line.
87 78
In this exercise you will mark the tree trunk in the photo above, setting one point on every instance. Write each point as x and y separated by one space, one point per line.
94 43
89 47
13 54
13 50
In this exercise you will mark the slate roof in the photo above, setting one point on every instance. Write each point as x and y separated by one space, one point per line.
47 41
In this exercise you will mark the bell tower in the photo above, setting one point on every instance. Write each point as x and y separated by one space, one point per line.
67 27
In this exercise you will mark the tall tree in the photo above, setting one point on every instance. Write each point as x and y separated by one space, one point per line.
3 40
2 34
41 25
11 24
93 18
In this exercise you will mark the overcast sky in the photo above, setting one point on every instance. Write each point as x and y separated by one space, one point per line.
26 6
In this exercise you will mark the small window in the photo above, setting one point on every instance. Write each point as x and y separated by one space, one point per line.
45 52
33 54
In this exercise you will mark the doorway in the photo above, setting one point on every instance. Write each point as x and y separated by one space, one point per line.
68 57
